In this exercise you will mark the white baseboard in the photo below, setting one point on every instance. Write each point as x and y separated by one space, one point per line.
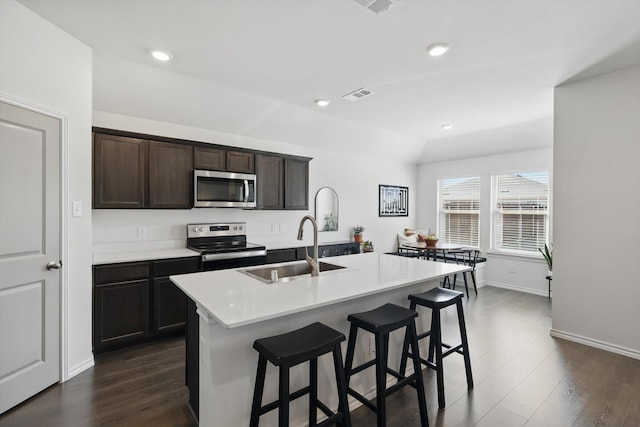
542 293
80 367
634 354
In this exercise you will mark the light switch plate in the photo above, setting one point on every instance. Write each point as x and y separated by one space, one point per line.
76 209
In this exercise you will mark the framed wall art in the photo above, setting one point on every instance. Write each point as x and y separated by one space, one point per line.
393 200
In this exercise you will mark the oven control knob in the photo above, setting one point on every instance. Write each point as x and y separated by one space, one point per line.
240 227
235 227
194 229
201 229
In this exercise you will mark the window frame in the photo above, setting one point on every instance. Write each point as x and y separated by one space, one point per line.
495 212
441 211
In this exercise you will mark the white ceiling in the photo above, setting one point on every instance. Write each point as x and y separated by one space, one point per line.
255 68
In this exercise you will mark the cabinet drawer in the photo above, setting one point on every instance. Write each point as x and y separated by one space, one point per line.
121 272
176 266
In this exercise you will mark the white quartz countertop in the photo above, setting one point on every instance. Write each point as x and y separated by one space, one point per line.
148 255
235 299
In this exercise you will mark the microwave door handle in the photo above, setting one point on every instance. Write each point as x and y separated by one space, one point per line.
246 190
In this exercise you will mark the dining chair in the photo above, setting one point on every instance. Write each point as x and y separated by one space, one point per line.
468 257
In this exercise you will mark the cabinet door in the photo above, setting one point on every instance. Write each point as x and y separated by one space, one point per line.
170 175
121 314
213 159
119 172
269 182
296 184
240 161
169 307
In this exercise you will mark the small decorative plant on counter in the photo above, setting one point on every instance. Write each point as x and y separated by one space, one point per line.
431 239
357 233
547 254
368 246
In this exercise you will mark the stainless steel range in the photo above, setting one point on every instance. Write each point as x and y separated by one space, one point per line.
224 245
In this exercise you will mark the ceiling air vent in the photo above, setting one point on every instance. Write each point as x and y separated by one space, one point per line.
357 95
376 6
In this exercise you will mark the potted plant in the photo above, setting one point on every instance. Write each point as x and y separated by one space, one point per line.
368 246
431 239
547 254
357 233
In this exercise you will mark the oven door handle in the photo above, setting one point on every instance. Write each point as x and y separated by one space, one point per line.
233 255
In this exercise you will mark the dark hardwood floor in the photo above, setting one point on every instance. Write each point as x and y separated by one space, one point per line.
522 377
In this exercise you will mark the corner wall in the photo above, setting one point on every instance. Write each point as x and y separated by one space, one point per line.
596 211
45 67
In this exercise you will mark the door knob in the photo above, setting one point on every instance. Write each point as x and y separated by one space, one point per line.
53 265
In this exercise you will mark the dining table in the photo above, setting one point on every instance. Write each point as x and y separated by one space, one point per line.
430 251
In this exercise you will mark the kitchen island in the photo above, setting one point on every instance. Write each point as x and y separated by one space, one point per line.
235 309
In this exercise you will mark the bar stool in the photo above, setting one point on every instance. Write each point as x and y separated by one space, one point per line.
382 321
437 299
287 350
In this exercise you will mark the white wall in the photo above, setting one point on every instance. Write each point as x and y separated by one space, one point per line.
45 67
521 273
596 211
355 179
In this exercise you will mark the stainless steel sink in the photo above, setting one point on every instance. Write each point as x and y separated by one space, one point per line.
286 272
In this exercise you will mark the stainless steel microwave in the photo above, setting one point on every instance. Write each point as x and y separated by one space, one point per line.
212 189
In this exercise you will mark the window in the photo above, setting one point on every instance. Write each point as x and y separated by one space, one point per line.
459 220
521 211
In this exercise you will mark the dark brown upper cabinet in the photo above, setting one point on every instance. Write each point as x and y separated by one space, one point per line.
296 184
240 161
269 182
282 182
119 172
133 173
213 159
170 175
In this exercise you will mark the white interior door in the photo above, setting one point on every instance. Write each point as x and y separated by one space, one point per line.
29 253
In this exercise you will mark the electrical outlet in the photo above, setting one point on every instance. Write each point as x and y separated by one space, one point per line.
372 345
512 269
142 233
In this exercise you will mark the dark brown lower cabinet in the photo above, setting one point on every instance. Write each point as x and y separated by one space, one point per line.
170 307
121 305
136 301
169 302
324 250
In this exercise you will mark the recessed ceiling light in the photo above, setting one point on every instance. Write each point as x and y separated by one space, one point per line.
322 102
447 126
438 49
161 55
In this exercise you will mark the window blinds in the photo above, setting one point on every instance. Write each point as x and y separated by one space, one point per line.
521 218
460 210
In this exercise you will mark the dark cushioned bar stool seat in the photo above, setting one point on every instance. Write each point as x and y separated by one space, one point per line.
380 322
437 299
290 349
